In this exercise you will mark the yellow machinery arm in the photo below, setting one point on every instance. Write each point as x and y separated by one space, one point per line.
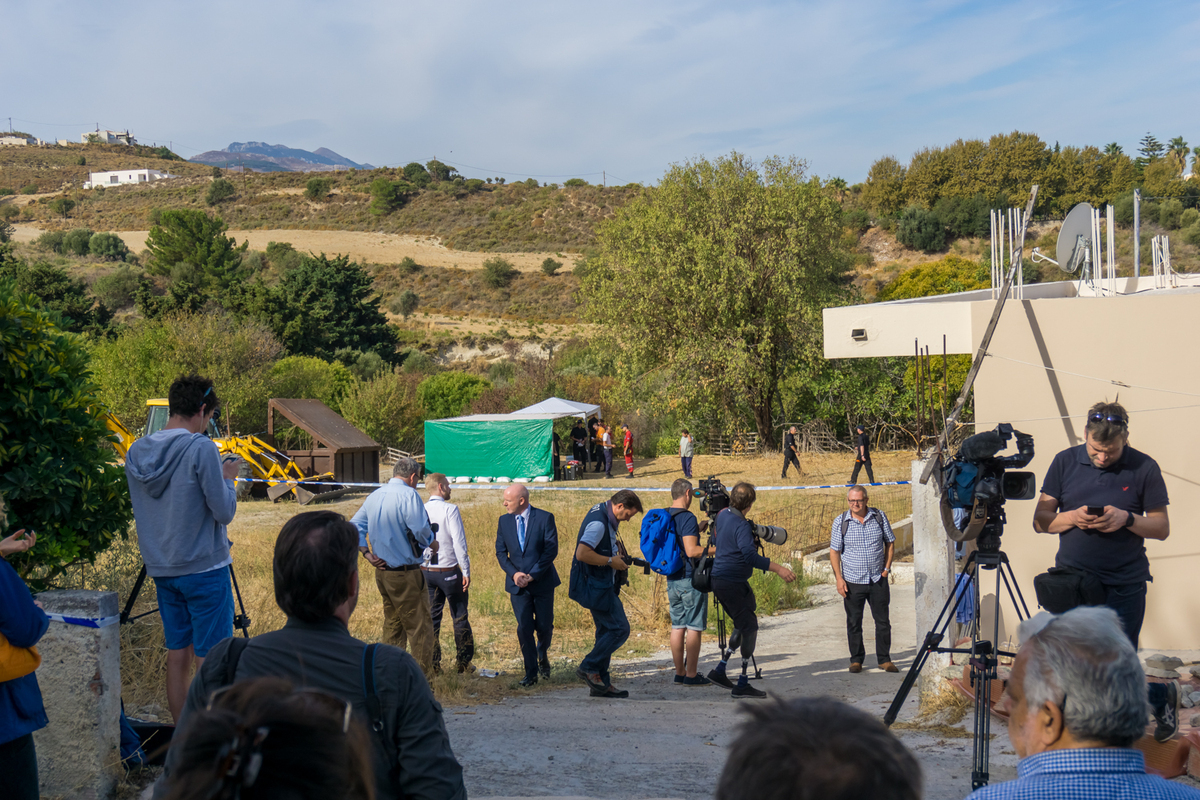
122 439
271 465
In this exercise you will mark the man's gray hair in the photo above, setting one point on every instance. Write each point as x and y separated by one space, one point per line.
1082 662
404 467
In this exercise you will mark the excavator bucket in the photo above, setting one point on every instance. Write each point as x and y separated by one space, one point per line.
280 489
303 496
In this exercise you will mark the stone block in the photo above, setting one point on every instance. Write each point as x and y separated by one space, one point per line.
79 756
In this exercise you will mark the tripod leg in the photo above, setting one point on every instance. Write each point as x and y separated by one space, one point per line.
241 620
133 596
982 672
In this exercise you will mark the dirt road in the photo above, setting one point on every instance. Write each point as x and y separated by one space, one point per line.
374 248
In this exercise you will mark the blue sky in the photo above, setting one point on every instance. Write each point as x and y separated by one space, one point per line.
559 90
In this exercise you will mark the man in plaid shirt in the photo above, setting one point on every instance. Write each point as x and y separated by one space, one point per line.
1078 699
861 547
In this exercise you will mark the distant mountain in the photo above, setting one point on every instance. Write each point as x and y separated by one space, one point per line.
263 157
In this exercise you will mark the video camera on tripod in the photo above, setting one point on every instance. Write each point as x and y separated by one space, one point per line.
979 482
714 499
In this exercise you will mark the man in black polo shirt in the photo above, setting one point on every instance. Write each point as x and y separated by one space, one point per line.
1127 486
791 453
862 455
579 438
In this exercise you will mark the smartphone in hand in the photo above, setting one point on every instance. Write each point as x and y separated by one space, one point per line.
1095 511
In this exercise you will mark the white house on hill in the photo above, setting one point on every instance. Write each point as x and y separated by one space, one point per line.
121 176
107 137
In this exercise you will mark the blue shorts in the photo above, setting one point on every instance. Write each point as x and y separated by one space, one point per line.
689 606
196 609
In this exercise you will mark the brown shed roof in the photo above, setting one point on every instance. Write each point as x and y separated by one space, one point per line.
322 423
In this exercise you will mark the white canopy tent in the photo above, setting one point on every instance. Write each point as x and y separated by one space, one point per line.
561 408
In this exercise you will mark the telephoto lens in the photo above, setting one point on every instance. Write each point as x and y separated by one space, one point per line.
772 534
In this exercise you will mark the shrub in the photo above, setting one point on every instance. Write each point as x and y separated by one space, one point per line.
1169 213
5 190
386 409
417 362
405 304
51 240
1192 234
283 256
311 378
950 274
473 185
108 246
30 189
81 161
58 293
531 183
1123 209
318 188
56 469
408 266
498 272
117 289
575 182
77 242
62 206
7 212
1187 219
219 191
550 266
921 230
448 393
857 220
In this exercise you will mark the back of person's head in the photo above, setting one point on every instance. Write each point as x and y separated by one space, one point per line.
627 498
1083 662
682 487
1107 423
434 481
191 394
264 740
404 468
816 748
742 496
315 555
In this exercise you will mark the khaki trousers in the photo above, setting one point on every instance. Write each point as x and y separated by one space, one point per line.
407 623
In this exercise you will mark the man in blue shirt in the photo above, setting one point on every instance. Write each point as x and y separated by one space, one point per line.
689 605
1078 702
736 559
393 531
861 548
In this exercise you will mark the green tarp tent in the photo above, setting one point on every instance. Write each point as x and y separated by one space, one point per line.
491 446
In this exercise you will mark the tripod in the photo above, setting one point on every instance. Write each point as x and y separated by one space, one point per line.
240 621
984 654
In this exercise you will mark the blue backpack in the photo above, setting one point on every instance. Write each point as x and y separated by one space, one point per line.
660 543
958 482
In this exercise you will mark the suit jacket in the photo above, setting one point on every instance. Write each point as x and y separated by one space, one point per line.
541 548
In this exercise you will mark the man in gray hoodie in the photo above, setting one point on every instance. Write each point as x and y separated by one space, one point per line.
183 497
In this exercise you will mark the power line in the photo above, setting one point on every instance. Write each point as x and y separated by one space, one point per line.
1113 381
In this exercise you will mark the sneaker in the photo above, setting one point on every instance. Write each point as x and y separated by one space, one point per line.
720 679
695 680
1167 715
680 679
746 690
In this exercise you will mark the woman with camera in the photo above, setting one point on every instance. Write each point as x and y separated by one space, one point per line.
736 559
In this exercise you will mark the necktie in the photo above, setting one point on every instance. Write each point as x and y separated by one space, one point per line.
521 532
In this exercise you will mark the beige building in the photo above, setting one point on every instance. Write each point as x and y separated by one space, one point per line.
1060 349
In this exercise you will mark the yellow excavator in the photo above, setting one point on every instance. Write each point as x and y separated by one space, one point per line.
274 468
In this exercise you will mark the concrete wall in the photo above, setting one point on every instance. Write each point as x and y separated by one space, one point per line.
1146 340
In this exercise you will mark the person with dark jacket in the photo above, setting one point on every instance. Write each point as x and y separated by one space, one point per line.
21 712
315 570
736 559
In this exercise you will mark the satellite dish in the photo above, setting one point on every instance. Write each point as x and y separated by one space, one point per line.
1075 238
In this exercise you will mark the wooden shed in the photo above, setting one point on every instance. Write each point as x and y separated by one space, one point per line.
341 448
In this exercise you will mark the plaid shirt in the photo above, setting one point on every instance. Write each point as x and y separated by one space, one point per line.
864 547
1092 773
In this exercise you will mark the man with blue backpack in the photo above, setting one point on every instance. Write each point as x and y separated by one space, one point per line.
670 542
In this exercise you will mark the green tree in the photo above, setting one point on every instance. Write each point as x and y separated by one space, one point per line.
323 305
189 235
884 191
62 206
1160 179
712 284
447 394
406 303
408 266
56 470
387 196
946 276
417 175
550 266
499 272
183 296
575 182
77 242
386 409
318 188
220 190
1151 150
116 290
108 246
921 230
1177 154
311 378
439 171
1113 149
65 298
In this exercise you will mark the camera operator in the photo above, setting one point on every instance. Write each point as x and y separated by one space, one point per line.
1126 488
736 558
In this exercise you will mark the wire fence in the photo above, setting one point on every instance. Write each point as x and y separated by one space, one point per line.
810 520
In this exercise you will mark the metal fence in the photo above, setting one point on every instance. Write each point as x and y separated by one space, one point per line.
810 520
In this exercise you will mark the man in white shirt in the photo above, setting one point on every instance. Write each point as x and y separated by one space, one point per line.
448 574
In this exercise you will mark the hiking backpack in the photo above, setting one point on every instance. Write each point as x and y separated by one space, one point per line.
660 543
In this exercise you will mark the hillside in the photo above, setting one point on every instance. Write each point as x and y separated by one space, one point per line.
263 157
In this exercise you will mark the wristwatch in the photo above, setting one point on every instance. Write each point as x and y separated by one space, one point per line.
1129 522
609 562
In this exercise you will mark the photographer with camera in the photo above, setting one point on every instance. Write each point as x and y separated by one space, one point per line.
689 605
1104 499
596 577
183 497
736 559
861 548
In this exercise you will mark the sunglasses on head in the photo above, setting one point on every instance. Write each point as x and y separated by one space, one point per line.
1116 419
216 417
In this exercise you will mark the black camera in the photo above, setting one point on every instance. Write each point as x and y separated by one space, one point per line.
772 534
977 481
713 497
416 546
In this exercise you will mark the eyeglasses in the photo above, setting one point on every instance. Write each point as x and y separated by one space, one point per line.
1115 419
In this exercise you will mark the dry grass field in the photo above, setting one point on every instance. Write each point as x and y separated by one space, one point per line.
807 515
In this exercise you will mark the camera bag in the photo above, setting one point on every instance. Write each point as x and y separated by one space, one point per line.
1060 589
702 571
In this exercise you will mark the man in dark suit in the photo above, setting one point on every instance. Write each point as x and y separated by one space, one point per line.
526 546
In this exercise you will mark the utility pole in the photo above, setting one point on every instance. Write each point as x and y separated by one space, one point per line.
1137 233
604 178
